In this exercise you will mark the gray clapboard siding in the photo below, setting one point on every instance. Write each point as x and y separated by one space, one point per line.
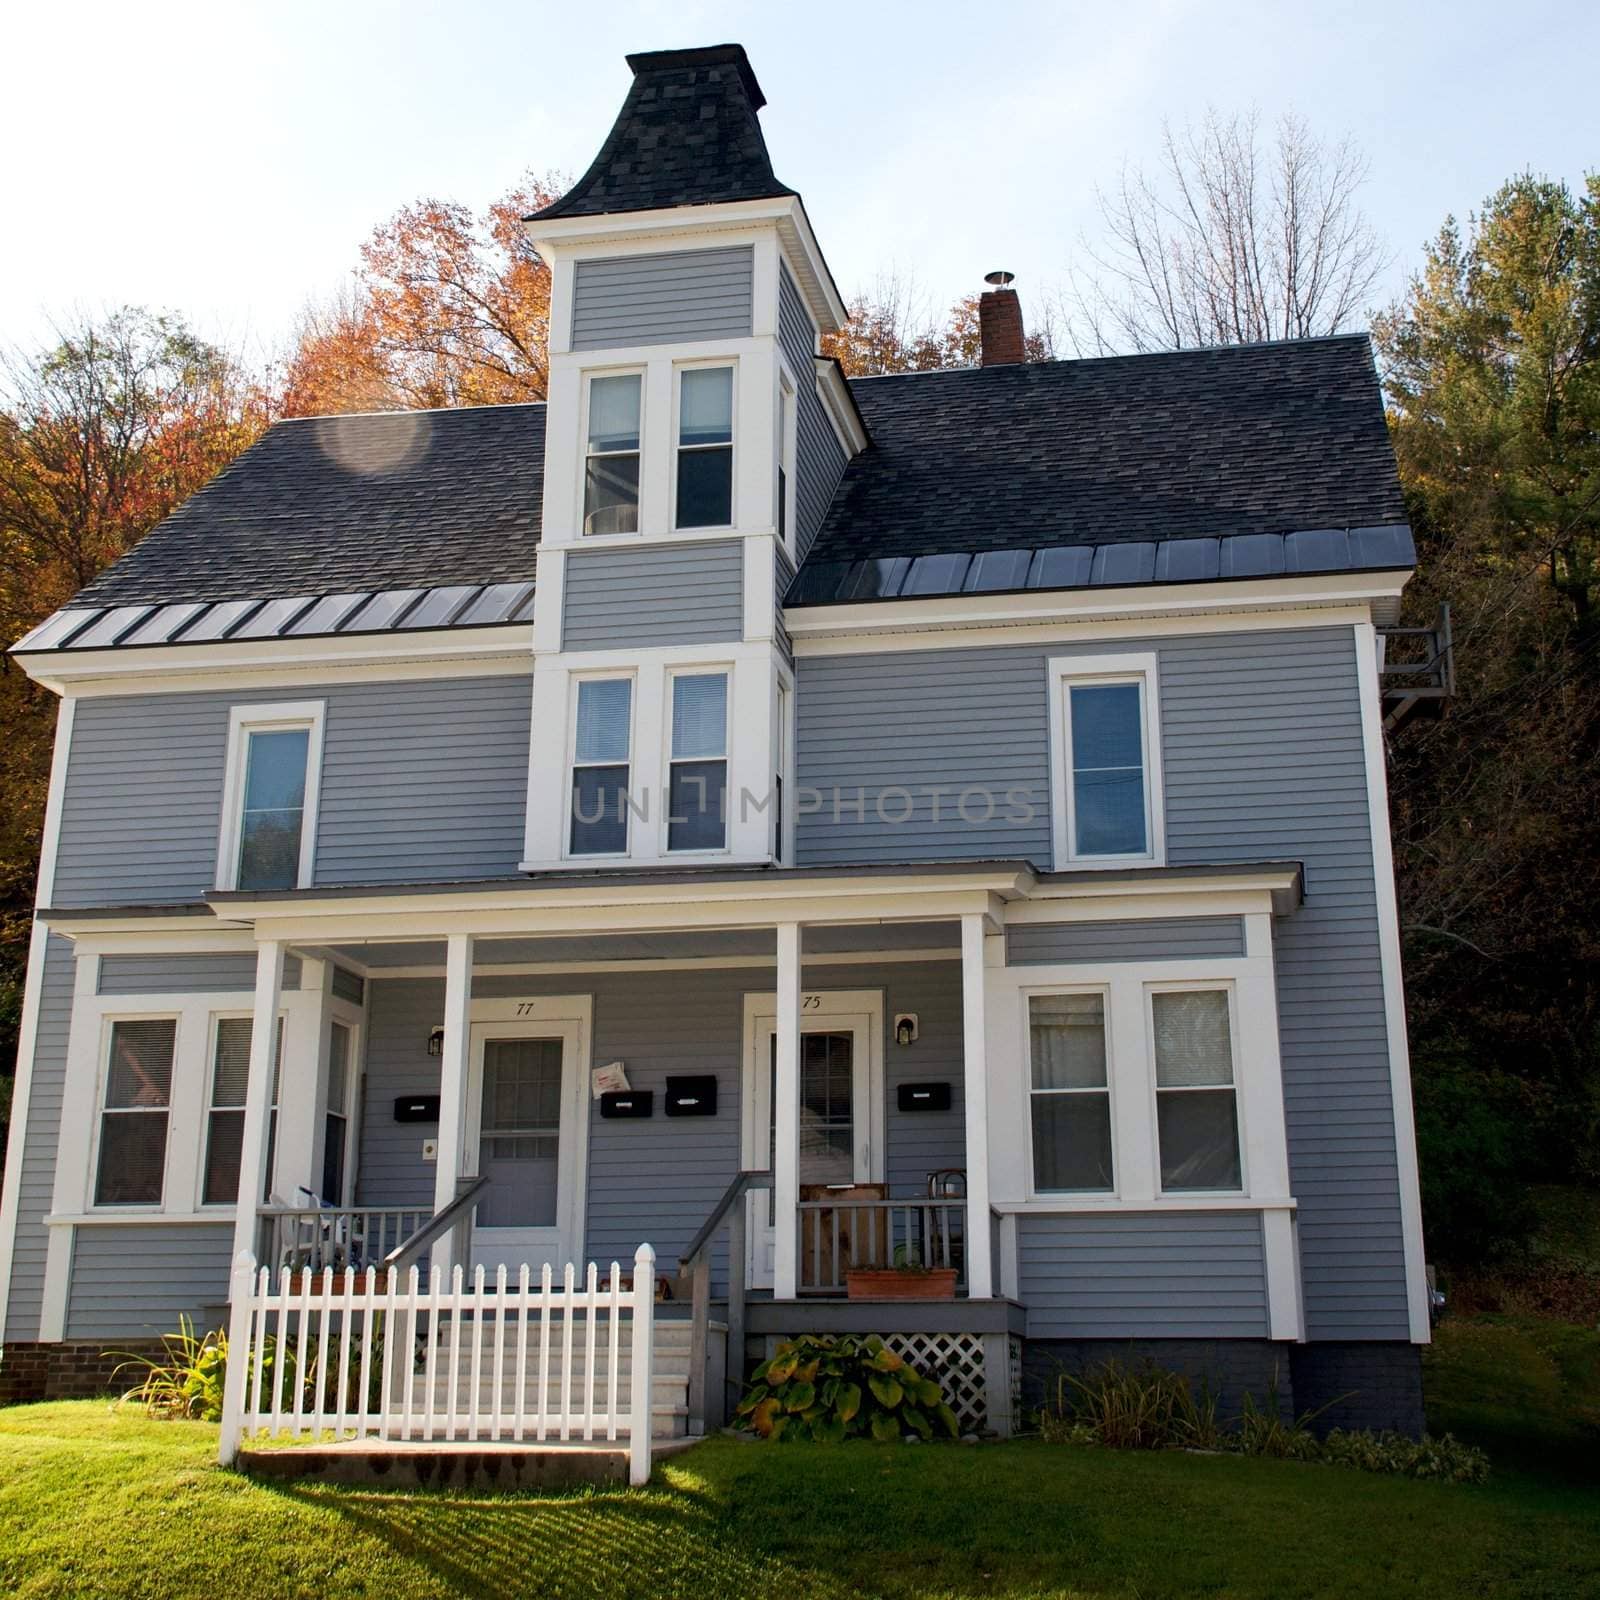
1158 939
663 299
420 780
1263 761
1143 1276
657 1180
35 1193
137 1281
819 458
670 594
348 985
187 974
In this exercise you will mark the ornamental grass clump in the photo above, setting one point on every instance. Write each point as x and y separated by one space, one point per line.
832 1389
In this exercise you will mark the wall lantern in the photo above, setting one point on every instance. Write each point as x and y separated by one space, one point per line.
436 1040
905 1027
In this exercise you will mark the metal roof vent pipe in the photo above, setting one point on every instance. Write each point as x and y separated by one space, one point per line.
1000 322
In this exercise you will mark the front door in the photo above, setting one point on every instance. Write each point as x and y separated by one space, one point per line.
841 1095
523 1131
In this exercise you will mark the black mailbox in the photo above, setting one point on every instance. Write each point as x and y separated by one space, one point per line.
628 1103
924 1096
692 1097
417 1108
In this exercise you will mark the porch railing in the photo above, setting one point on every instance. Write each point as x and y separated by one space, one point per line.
358 1355
307 1239
838 1235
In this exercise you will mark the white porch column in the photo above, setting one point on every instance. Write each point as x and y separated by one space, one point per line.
258 1095
975 1087
453 1083
786 1119
298 1161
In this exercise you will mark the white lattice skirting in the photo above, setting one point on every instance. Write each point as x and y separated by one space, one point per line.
964 1365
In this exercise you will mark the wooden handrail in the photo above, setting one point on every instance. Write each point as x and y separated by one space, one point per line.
741 1184
440 1223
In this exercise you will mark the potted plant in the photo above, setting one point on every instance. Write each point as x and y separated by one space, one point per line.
907 1279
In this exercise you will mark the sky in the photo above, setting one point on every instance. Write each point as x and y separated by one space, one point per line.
225 159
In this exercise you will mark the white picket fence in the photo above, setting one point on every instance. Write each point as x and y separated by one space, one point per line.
491 1360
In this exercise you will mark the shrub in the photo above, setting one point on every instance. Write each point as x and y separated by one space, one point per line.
1142 1407
1446 1459
831 1389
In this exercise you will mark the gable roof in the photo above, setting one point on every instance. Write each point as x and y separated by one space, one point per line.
687 135
320 505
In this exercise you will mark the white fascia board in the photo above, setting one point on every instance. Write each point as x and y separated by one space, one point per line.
553 236
811 626
465 652
839 407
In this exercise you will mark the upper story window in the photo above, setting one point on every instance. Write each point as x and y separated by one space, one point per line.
270 797
705 448
697 783
131 1165
1197 1113
601 756
1107 778
786 453
611 473
1069 1093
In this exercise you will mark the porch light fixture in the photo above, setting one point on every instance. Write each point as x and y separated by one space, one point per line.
436 1040
905 1027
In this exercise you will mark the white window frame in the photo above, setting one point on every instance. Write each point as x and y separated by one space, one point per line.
331 1019
699 529
570 764
631 370
703 669
1067 673
1028 1091
1227 987
213 1027
283 717
788 453
108 1022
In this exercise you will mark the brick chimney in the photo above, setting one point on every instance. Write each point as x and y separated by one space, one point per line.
1000 322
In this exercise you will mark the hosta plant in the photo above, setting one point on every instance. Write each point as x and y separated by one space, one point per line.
831 1389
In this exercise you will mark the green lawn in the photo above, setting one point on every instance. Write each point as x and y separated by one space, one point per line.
96 1501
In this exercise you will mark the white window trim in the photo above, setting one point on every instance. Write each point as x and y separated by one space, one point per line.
628 370
788 459
282 717
340 1013
570 764
208 1088
1198 986
1028 1091
708 669
1067 672
108 1022
710 363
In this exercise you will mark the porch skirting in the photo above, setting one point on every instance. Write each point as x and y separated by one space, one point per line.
68 1370
1373 1384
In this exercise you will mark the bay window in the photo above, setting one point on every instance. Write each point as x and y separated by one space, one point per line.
1197 1113
697 781
602 740
611 469
135 1112
705 448
229 1079
1069 1093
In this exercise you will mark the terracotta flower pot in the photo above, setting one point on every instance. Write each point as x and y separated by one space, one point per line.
886 1283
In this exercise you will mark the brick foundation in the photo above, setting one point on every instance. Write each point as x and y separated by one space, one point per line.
1383 1381
67 1371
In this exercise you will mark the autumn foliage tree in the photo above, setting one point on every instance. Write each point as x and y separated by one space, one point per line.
891 329
447 308
101 435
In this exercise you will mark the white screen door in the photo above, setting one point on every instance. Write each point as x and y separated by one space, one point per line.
523 1129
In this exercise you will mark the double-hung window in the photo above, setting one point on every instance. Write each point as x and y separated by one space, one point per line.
705 448
336 1114
611 471
1107 803
697 783
602 739
230 1078
132 1161
269 822
1069 1093
786 454
1197 1113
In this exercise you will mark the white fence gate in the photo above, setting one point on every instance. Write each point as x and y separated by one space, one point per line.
490 1361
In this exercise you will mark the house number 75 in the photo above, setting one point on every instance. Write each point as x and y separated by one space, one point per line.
811 1002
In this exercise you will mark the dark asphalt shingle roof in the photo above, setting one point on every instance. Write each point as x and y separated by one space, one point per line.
1242 439
687 135
326 504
